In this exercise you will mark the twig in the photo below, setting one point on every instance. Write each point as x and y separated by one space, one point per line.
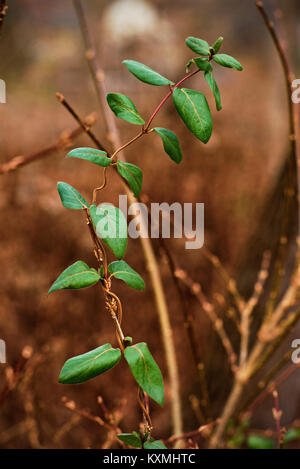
64 141
112 427
273 385
248 406
229 281
250 305
159 295
3 10
277 413
189 327
13 375
204 430
196 291
82 124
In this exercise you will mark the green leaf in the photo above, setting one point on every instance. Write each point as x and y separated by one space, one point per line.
194 111
111 227
77 275
157 444
131 439
133 175
146 74
90 364
217 45
124 108
259 442
202 63
199 46
170 143
215 89
90 154
70 197
128 339
291 435
227 61
145 371
122 271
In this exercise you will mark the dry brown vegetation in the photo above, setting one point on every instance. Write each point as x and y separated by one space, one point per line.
233 175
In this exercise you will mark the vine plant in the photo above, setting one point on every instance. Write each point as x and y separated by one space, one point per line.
108 227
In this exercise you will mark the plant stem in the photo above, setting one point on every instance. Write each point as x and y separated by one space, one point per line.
3 9
167 97
229 409
140 134
160 299
277 416
64 141
84 126
191 332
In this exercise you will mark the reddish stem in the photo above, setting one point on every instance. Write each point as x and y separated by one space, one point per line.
168 95
276 414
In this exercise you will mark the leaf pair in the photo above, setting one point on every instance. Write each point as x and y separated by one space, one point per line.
201 47
134 439
80 275
109 221
70 197
141 363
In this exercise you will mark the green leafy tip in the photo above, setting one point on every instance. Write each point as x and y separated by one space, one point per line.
214 88
227 61
157 444
132 174
93 155
199 46
145 371
202 64
259 442
146 74
170 143
194 111
89 365
132 439
76 276
124 108
122 271
217 45
111 227
70 197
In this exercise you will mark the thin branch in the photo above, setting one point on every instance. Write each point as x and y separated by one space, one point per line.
190 329
83 124
65 141
277 413
248 407
13 375
228 280
217 323
273 385
204 431
3 10
250 305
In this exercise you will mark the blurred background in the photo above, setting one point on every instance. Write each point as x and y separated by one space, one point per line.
41 53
